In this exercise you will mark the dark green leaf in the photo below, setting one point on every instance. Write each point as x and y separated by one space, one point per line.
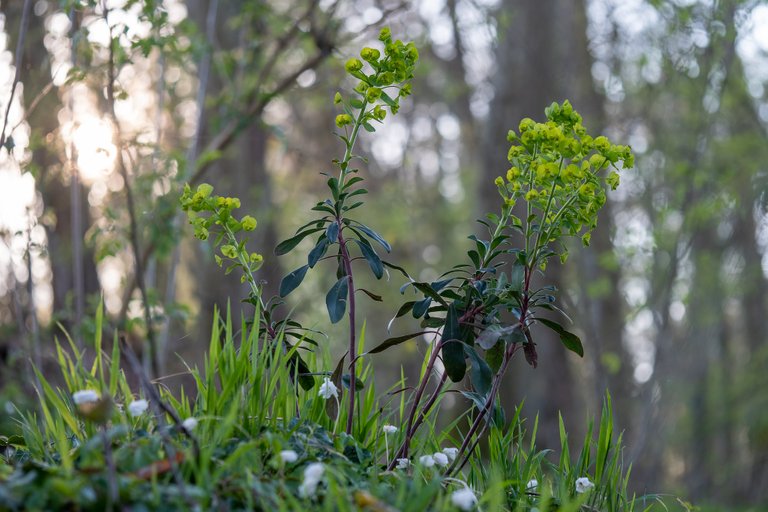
395 267
332 232
372 295
369 128
292 280
421 307
405 308
495 356
453 348
372 258
286 246
396 340
569 340
346 378
336 299
371 233
318 251
480 372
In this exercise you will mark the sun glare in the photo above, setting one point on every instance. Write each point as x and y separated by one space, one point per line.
95 149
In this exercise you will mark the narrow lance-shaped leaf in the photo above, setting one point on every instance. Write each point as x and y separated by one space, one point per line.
453 348
286 246
372 258
480 371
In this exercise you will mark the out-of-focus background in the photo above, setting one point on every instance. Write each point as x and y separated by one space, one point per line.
669 299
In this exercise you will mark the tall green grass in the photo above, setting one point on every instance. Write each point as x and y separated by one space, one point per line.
248 412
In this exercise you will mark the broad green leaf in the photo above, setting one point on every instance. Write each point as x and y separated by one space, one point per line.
569 340
292 280
332 233
336 299
480 372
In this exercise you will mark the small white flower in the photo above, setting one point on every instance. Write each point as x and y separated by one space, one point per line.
464 498
427 461
451 453
289 456
440 458
312 476
85 396
532 485
583 485
403 463
137 407
189 423
389 429
328 389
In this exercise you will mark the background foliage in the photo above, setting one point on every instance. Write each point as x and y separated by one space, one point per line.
669 299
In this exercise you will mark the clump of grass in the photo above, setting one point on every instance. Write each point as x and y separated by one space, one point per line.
247 417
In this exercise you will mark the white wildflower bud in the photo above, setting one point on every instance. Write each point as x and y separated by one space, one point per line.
85 396
137 407
289 456
328 389
464 499
532 485
403 463
451 453
189 424
389 429
583 485
427 461
441 459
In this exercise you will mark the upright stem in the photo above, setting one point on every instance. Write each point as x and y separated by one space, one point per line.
403 450
347 262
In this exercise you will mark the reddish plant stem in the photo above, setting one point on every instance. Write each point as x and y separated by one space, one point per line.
347 262
403 450
463 455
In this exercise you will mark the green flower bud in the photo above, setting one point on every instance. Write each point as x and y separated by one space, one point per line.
248 223
337 98
385 35
229 251
372 94
353 65
612 180
370 54
343 120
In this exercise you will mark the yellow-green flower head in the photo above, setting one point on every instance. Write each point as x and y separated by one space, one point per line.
514 152
353 65
370 54
372 94
405 90
379 113
597 161
602 144
256 257
526 124
499 181
513 173
229 251
343 120
531 195
612 180
413 53
386 78
337 98
385 34
511 136
361 87
249 223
